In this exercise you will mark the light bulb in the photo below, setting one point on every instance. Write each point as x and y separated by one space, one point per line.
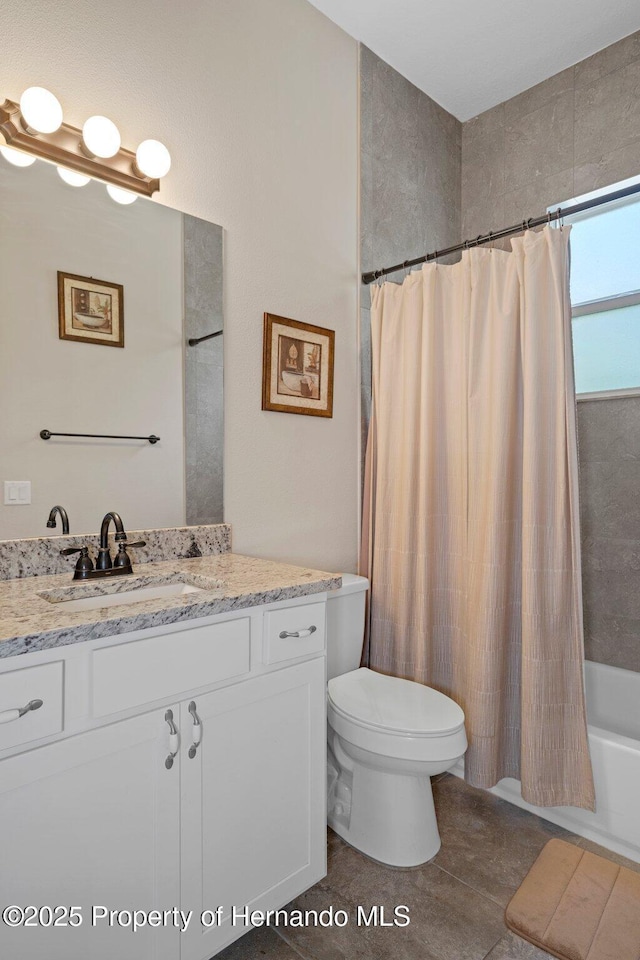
16 157
72 178
101 137
153 159
41 111
120 196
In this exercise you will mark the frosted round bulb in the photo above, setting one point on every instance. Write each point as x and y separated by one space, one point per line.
40 110
153 159
72 178
120 196
16 157
101 137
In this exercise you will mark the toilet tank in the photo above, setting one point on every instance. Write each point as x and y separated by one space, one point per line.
345 625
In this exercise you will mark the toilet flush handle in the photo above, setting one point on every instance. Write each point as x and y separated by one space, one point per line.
298 633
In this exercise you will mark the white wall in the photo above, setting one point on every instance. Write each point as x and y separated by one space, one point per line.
61 385
257 101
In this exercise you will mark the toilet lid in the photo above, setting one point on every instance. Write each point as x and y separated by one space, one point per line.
396 705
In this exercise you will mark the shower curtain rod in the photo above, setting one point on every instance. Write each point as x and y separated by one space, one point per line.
372 275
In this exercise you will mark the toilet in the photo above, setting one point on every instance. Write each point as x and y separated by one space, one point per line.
386 738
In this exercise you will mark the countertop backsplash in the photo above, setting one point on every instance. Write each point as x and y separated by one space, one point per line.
40 556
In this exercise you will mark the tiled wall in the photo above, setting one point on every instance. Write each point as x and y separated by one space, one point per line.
609 439
576 132
204 425
410 151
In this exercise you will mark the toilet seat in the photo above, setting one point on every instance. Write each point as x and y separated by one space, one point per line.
397 706
394 717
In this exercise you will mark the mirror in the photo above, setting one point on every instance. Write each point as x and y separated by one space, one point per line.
169 268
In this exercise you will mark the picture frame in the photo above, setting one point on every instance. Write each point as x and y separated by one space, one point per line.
297 367
90 310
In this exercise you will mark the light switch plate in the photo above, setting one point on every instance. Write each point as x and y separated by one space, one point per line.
17 493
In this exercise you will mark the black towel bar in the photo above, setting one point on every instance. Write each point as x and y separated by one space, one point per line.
47 434
194 341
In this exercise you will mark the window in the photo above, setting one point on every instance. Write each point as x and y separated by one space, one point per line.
605 295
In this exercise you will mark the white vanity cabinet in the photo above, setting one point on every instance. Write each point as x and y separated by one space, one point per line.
86 821
96 816
253 800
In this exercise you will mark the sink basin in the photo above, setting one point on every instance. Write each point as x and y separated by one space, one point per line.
96 596
137 595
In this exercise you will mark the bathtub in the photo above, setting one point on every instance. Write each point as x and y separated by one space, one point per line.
613 710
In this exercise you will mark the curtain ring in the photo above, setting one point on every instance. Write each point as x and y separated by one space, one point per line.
524 226
560 218
490 241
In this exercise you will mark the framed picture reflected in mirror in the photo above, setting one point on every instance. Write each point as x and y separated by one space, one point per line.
90 311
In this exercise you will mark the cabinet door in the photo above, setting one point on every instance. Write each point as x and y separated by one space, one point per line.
253 807
92 821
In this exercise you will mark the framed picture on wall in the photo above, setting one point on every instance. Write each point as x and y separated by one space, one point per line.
91 311
297 367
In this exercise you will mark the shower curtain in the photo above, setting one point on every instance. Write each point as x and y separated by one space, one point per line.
470 521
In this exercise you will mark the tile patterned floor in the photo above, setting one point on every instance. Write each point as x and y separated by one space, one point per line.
456 901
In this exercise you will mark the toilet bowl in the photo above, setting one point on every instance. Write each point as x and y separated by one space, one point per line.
386 738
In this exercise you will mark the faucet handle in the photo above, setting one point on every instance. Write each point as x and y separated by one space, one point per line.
122 557
84 564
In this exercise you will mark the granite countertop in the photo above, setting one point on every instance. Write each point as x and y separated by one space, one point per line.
30 622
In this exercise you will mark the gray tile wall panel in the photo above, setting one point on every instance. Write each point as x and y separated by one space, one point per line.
204 428
577 131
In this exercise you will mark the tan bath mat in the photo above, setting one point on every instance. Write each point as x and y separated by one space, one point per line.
578 906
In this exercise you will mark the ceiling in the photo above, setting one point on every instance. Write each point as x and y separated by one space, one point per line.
469 55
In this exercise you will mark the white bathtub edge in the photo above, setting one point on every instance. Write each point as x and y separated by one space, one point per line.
510 790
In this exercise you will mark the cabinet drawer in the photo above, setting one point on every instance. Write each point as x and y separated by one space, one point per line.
306 623
17 688
131 674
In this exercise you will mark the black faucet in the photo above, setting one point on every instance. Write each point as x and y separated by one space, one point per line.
105 566
51 522
104 561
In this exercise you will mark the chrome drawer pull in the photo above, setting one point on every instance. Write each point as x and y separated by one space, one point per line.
196 731
298 633
8 715
174 740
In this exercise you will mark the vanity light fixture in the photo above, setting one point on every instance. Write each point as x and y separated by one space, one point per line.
17 157
152 159
34 128
120 196
72 178
100 138
41 111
